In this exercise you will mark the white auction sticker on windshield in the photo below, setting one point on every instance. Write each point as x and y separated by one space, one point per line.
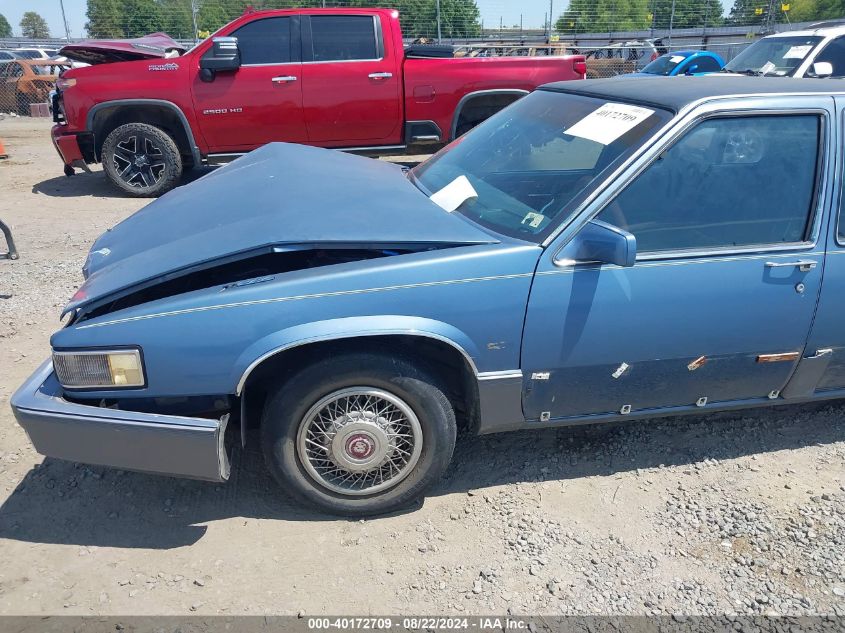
454 194
609 122
676 59
766 68
797 52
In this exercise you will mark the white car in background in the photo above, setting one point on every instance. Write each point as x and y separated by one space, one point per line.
815 52
36 53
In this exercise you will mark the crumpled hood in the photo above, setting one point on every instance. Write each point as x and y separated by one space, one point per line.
277 196
152 46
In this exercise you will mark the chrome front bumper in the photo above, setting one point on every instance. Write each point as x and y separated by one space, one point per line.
148 442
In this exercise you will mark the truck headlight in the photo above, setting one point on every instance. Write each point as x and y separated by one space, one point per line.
99 368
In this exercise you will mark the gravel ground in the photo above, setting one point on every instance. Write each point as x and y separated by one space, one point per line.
732 513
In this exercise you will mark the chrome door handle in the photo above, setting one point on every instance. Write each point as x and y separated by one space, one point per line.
803 265
380 75
283 80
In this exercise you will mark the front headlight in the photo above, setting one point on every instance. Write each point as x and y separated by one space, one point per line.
99 368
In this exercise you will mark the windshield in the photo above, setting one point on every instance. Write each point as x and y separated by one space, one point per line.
664 65
778 56
526 168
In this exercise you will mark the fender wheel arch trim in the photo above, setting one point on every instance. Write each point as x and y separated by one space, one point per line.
479 93
117 103
347 335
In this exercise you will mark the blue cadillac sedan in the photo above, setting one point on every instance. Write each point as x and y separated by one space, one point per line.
600 250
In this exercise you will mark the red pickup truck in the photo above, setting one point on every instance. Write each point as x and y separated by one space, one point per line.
337 78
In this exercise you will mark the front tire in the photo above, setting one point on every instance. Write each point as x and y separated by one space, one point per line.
358 435
141 160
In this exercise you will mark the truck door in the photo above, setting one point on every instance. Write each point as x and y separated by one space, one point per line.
352 81
718 306
260 102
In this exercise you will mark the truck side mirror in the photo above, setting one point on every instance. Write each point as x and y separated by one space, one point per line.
600 242
822 69
691 69
222 56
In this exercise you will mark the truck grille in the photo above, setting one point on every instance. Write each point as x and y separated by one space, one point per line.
58 108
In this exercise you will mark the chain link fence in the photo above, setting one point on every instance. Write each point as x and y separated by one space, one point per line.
25 85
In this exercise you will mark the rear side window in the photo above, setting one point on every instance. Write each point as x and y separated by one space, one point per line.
705 65
344 37
264 41
737 181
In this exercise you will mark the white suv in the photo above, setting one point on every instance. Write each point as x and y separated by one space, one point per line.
815 52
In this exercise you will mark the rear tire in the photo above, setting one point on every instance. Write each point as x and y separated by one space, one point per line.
141 160
358 435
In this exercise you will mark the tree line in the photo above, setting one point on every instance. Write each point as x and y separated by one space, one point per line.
131 18
606 16
458 18
32 25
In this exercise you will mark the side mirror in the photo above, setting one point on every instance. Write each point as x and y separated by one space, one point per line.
691 70
600 242
222 56
822 69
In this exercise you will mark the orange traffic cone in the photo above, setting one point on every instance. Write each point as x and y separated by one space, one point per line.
3 153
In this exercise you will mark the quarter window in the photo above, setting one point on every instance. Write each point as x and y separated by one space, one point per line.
343 37
264 41
729 182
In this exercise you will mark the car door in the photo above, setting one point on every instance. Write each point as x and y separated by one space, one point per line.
821 371
260 102
718 305
351 81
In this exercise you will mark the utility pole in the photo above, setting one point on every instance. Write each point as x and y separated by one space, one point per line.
671 23
770 16
194 9
64 20
439 34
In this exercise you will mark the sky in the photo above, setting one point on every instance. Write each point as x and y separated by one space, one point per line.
491 10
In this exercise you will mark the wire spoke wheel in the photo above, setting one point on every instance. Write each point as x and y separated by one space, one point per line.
359 441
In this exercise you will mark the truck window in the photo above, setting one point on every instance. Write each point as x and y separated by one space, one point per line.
730 182
835 54
344 37
264 41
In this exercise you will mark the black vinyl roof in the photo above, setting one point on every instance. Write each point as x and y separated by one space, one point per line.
673 93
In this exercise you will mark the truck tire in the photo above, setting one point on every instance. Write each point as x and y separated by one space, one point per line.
359 434
141 160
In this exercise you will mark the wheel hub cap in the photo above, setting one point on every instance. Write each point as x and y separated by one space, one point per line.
360 447
359 441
